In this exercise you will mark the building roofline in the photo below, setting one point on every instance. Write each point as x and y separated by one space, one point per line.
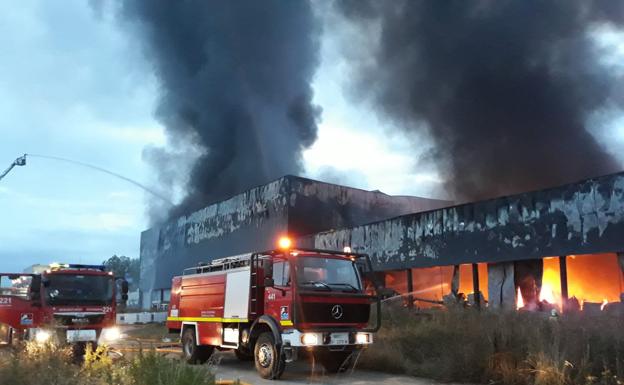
289 177
483 201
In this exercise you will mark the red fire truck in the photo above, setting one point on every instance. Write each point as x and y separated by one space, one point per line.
64 303
269 306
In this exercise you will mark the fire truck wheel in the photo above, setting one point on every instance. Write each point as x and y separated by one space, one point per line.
269 363
333 362
243 354
193 353
78 351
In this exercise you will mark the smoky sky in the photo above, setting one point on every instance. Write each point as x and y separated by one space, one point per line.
234 78
503 88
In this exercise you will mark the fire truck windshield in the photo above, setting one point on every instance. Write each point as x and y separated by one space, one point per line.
328 274
72 289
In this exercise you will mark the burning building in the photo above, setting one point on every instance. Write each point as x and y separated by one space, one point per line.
555 248
508 104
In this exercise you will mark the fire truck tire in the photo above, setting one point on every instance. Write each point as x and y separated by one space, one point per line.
243 354
333 362
79 349
269 362
193 353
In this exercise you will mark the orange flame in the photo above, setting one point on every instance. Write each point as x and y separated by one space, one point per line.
591 278
519 300
547 294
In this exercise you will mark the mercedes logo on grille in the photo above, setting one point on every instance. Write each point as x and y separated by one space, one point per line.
337 312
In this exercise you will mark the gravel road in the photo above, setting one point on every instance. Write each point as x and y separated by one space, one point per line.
229 367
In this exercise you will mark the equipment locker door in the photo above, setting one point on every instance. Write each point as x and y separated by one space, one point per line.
237 294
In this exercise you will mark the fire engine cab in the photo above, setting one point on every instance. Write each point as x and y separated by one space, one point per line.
269 306
65 303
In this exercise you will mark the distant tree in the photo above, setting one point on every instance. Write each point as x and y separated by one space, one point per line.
122 266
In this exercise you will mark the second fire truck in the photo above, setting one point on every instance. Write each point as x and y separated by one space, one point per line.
64 303
270 306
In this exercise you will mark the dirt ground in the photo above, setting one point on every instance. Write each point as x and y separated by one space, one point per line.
228 367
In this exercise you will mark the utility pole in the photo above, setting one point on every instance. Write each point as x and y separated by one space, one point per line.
21 161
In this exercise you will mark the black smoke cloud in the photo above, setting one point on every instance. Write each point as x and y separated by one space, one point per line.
235 78
503 87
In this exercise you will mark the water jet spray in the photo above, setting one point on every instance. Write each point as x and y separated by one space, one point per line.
21 161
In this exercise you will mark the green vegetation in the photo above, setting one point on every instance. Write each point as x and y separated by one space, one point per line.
493 348
49 365
124 267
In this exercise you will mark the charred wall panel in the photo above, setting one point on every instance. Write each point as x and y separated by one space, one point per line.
240 224
580 218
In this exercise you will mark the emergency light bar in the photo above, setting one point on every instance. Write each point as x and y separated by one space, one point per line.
60 266
284 243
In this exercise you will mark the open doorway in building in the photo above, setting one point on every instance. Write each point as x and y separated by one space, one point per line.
426 288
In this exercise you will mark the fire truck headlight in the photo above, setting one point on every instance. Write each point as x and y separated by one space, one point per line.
42 336
111 334
309 339
363 338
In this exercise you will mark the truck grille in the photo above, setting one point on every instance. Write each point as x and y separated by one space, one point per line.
318 312
77 320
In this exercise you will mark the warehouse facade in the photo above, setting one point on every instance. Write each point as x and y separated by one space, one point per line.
548 246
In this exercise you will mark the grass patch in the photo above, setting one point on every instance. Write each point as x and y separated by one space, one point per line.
51 365
495 348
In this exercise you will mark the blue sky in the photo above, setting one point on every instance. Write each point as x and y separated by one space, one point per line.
71 85
74 84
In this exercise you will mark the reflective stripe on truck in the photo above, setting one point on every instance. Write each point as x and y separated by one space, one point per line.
207 319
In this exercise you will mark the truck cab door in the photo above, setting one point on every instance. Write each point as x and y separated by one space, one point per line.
16 303
278 298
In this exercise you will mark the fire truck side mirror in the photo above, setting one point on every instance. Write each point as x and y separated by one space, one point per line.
122 291
35 290
362 268
267 267
35 285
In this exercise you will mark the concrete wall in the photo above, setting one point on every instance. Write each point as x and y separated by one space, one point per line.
580 218
501 288
141 318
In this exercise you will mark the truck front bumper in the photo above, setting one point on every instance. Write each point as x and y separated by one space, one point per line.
63 335
296 338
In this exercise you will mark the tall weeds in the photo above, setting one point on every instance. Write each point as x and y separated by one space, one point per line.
510 348
51 365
